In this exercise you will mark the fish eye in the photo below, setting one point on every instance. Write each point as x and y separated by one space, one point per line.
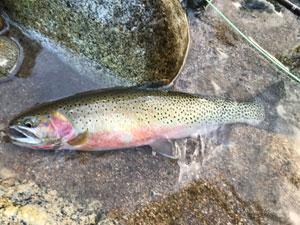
30 122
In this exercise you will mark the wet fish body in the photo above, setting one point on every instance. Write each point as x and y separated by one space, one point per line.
129 117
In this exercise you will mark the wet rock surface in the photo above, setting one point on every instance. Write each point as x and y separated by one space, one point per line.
138 40
9 55
255 179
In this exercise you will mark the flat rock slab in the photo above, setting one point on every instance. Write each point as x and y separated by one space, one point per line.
139 40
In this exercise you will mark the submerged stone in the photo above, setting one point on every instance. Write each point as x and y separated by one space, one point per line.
9 55
200 202
139 40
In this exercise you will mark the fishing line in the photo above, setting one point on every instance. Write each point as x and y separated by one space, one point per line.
255 45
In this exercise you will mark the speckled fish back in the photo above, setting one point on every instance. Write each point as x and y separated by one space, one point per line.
132 108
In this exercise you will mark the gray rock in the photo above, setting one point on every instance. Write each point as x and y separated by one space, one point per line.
9 55
139 40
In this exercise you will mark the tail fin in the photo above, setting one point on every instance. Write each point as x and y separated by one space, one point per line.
270 99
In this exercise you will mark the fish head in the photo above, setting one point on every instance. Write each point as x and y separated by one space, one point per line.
40 131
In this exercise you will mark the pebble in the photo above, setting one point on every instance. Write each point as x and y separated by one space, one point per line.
9 55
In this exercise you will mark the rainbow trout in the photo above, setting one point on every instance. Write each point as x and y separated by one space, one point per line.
129 117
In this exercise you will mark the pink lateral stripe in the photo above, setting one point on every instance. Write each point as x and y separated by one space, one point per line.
138 137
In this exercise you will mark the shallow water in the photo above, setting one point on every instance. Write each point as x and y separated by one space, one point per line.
255 179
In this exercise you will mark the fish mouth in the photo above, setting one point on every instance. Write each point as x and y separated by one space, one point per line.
23 136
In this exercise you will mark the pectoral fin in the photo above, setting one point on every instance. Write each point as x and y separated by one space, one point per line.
165 148
79 139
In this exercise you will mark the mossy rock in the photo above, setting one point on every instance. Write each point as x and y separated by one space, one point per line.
139 40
